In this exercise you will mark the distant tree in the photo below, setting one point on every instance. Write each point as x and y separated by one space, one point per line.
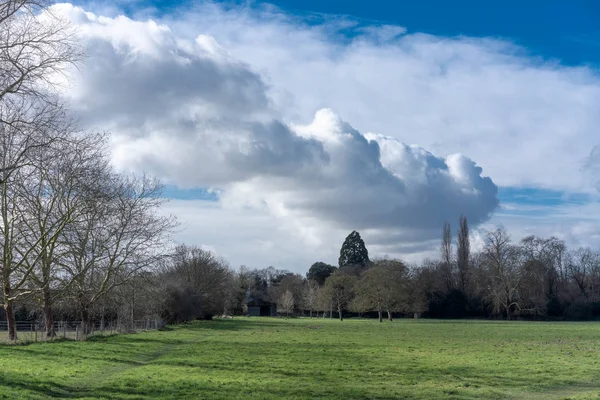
340 289
382 287
503 266
419 285
324 301
542 262
286 302
353 251
359 304
242 284
264 283
463 253
198 284
583 269
320 271
291 282
311 296
446 256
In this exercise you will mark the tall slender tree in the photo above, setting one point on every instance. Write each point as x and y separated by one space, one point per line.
463 254
446 255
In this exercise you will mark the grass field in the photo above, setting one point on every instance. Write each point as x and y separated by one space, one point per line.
307 359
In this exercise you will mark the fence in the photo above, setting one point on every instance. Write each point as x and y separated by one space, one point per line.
34 331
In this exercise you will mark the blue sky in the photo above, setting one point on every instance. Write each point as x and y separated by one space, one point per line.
567 31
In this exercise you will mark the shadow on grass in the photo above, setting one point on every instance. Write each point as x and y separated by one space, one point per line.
21 385
306 386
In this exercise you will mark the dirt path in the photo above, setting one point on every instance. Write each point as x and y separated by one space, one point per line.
92 386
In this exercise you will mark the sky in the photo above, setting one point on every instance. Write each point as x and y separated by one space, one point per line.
280 127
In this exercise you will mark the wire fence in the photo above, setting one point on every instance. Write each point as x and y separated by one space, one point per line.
35 331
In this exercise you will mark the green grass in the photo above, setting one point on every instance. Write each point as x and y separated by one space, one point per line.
307 359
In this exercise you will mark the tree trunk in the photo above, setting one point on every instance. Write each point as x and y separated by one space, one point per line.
48 315
132 316
389 313
380 315
331 311
311 313
10 320
85 320
340 313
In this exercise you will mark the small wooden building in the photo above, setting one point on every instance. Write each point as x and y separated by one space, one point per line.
261 308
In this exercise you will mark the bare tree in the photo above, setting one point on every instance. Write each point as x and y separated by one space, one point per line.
287 282
541 273
286 302
28 148
381 288
339 287
446 256
503 260
583 267
57 195
35 48
121 235
311 295
198 284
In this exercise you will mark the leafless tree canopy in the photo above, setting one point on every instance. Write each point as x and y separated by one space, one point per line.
36 48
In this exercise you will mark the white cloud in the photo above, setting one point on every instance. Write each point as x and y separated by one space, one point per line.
222 98
187 111
375 184
525 120
248 237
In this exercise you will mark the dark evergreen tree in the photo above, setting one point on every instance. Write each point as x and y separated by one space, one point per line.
353 252
319 272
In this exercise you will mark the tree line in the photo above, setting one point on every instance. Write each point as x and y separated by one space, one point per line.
533 278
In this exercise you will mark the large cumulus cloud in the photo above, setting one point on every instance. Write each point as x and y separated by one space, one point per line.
528 121
186 110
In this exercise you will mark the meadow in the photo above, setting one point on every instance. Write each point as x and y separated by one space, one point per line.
265 358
